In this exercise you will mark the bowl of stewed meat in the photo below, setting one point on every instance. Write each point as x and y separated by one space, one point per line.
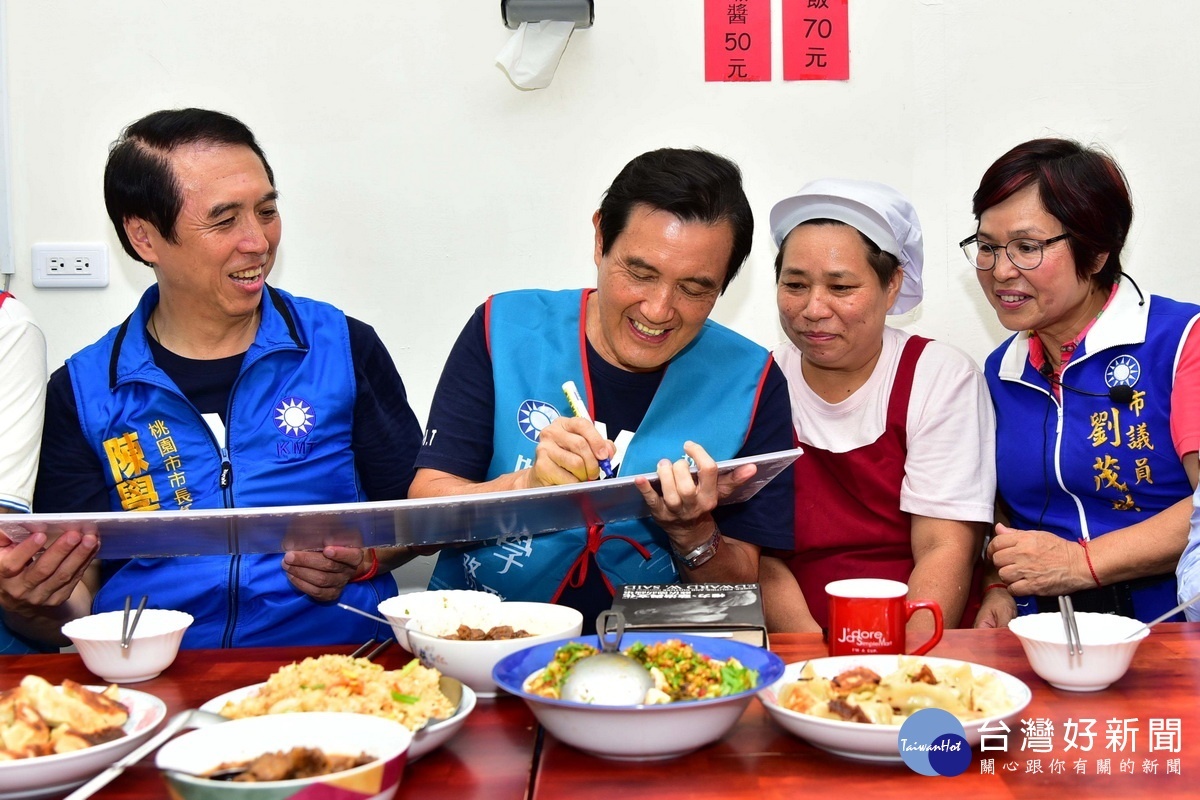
467 644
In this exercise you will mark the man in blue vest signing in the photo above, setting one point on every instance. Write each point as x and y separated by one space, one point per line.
218 391
663 385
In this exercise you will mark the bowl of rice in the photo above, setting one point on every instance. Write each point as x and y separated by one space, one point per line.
402 608
467 644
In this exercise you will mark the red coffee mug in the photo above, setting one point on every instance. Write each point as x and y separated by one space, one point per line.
868 615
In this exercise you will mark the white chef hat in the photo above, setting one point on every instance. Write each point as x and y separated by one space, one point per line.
878 211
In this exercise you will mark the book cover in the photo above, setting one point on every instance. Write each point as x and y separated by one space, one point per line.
730 610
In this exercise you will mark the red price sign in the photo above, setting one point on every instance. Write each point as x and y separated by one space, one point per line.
737 40
816 40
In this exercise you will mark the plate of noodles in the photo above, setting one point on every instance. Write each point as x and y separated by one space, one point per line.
409 695
853 706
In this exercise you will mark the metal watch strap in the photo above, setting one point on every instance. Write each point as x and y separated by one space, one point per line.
702 554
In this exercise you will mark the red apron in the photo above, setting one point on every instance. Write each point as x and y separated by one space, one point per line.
848 518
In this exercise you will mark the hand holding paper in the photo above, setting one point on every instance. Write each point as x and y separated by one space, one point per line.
687 499
323 574
32 577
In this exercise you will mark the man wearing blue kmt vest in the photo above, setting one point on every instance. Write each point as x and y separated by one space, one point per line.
218 391
661 382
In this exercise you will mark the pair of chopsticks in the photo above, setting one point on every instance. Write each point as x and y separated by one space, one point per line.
1074 643
365 646
383 646
126 628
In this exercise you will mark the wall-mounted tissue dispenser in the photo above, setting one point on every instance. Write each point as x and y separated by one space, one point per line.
514 12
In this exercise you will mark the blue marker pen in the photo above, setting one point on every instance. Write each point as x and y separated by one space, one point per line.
575 400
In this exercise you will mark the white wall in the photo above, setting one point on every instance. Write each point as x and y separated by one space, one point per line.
416 179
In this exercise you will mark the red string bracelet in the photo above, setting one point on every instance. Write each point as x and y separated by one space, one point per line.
991 586
373 571
1088 555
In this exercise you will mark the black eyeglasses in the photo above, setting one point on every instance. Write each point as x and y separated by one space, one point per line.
1023 253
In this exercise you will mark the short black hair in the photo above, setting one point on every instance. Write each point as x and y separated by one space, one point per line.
138 181
693 185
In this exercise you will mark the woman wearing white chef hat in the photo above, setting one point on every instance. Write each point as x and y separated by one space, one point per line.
898 477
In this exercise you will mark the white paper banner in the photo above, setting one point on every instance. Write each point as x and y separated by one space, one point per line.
442 520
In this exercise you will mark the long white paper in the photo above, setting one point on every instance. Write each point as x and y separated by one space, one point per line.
438 521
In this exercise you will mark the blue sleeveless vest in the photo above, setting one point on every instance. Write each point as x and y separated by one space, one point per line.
538 341
289 434
1092 464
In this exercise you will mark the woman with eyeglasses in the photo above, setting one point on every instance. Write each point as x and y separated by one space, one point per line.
1096 441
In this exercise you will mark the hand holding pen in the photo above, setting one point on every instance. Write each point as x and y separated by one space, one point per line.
569 450
579 408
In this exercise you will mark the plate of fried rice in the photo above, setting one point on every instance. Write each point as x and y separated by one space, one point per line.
410 695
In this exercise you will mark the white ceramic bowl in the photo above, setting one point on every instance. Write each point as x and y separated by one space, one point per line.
244 739
864 742
400 609
1106 650
53 776
426 740
154 645
641 732
472 662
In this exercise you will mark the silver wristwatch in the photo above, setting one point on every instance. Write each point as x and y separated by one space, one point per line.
702 554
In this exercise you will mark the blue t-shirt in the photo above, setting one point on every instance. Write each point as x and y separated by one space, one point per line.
458 441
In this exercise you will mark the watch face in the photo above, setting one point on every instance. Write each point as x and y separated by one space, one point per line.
702 554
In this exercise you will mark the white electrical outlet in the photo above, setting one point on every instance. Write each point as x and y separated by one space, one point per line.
61 266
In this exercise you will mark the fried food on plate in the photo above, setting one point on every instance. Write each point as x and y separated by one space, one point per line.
39 719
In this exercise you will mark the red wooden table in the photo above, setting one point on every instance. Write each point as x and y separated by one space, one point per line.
758 759
490 758
497 754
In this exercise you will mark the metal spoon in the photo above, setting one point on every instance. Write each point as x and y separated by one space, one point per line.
452 688
194 718
366 614
608 678
1165 616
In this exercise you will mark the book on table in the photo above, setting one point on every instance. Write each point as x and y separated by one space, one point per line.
727 610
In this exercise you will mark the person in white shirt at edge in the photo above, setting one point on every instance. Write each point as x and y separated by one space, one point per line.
1188 571
23 376
898 476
